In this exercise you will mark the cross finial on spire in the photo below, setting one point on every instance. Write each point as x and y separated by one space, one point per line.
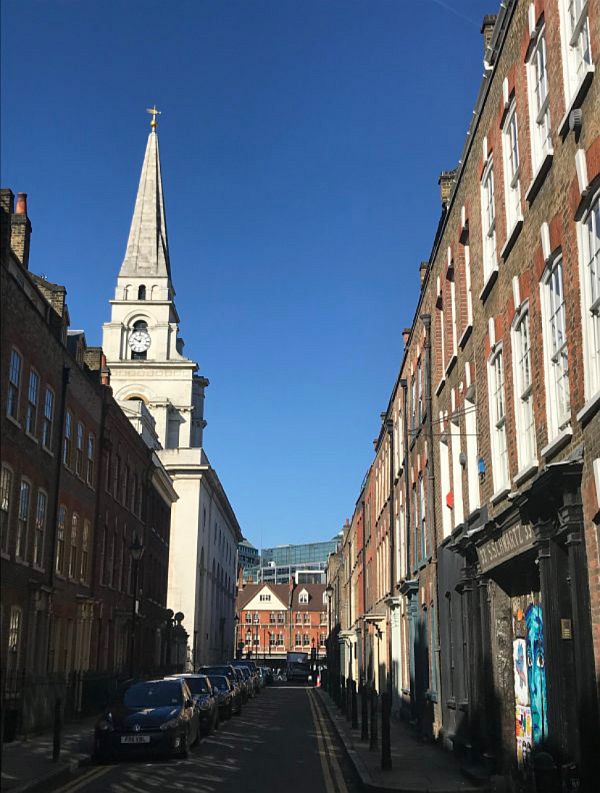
153 112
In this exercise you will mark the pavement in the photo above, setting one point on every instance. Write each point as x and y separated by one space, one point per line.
417 766
27 764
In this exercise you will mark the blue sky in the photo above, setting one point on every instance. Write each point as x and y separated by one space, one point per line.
301 142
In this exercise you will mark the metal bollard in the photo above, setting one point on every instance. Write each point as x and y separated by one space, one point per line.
364 713
386 747
57 730
354 706
373 737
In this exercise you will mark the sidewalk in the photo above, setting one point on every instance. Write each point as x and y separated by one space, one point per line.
27 764
417 767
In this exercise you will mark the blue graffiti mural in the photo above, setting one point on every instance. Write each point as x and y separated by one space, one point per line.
536 672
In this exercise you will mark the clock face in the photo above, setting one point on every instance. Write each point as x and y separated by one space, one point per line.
139 341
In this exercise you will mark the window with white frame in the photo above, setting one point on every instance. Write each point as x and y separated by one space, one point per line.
6 481
556 360
48 420
510 151
575 35
419 393
74 545
488 219
539 100
590 295
79 449
60 539
68 438
303 597
32 402
521 343
422 516
40 528
23 521
498 418
85 552
14 385
14 639
91 450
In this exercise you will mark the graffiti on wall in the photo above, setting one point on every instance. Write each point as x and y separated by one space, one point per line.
529 669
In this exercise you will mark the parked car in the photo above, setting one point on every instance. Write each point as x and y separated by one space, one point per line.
224 693
155 715
244 682
204 698
248 679
251 667
237 684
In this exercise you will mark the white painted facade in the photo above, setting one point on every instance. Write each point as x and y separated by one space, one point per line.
145 356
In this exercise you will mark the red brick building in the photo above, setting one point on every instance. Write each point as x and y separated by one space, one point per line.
273 619
67 593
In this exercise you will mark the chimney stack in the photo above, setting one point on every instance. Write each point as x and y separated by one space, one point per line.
422 270
446 181
20 231
406 336
487 29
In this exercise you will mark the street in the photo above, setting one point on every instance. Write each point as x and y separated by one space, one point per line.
283 737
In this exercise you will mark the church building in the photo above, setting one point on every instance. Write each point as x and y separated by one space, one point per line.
161 391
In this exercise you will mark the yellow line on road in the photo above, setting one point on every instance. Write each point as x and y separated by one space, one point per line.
330 746
322 750
89 776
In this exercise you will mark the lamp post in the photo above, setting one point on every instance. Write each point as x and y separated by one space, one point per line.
136 549
329 654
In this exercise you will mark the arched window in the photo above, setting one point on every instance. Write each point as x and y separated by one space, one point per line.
141 292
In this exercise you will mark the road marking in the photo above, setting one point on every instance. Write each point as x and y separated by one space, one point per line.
322 750
331 750
89 776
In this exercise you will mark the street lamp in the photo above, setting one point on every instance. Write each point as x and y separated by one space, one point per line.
136 549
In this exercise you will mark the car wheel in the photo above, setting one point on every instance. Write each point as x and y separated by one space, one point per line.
230 711
217 721
183 747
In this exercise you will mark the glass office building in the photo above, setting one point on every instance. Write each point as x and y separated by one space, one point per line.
305 563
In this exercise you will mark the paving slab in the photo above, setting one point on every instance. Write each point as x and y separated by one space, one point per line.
417 766
27 764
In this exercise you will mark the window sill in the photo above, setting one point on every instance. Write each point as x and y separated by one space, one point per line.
500 495
539 178
440 386
4 555
451 363
512 238
22 562
47 450
576 101
489 283
589 410
526 472
32 437
557 443
465 336
13 421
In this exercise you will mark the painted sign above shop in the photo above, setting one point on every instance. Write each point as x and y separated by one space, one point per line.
510 543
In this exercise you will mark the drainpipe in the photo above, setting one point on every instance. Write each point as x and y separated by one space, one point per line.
59 464
404 386
389 425
426 320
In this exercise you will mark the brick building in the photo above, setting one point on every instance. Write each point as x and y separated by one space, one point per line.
273 619
487 463
60 583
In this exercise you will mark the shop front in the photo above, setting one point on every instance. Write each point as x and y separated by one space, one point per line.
532 694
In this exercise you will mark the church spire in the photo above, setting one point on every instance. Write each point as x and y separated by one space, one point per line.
147 251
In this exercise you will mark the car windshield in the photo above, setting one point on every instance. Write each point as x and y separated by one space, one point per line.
219 670
198 685
159 694
220 681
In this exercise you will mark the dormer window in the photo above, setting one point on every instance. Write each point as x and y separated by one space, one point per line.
303 597
141 292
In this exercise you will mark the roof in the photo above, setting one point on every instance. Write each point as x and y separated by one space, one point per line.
147 252
282 591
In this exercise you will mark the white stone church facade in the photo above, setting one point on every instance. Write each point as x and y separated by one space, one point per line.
162 392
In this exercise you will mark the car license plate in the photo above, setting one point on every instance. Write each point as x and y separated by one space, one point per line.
135 739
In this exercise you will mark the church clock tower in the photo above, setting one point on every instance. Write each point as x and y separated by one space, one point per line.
159 388
142 345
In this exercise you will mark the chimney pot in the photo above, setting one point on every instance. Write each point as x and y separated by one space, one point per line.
21 204
445 182
487 29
